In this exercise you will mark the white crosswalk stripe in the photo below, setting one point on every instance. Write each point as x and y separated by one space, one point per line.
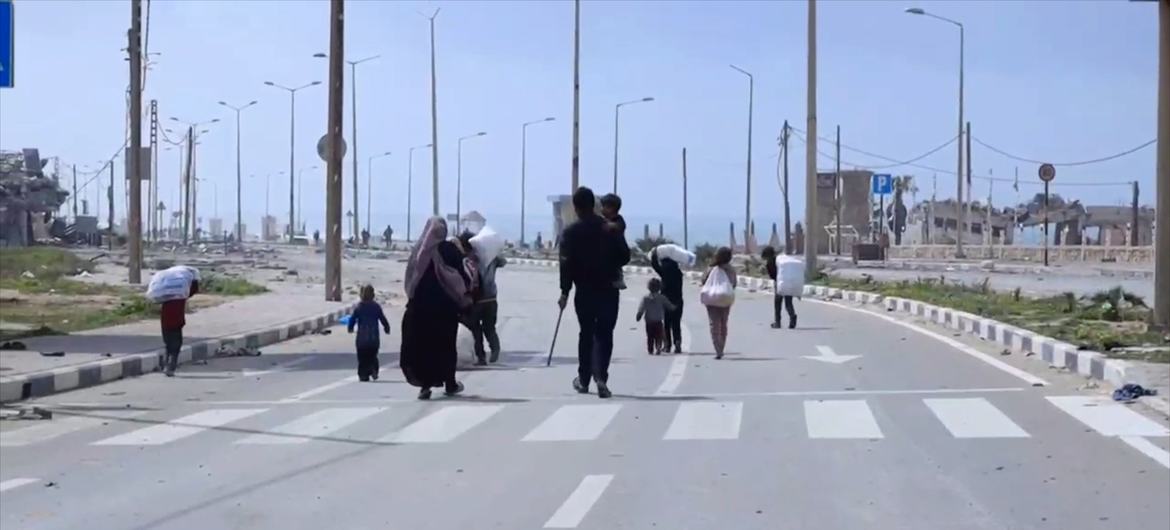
974 418
180 428
49 430
840 419
574 423
706 421
315 425
444 425
1107 417
552 421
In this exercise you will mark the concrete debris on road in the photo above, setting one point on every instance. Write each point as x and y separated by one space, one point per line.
13 345
231 351
25 413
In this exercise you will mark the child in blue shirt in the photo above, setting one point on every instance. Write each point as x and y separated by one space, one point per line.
367 316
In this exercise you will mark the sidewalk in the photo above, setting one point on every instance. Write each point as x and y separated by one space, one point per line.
99 355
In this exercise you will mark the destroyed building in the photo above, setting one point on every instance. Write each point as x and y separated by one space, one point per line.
29 199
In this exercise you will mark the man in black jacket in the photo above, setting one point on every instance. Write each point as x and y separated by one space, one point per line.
590 258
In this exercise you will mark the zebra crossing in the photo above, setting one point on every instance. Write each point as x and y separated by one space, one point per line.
551 421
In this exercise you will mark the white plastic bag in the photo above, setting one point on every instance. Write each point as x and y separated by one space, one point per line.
680 255
717 290
487 244
171 284
789 276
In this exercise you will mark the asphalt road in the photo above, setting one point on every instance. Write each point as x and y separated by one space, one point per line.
916 432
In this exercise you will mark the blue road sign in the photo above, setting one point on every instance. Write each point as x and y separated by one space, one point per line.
883 184
7 43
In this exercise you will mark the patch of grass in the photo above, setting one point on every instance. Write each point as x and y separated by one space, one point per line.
45 263
1101 322
53 319
229 286
63 286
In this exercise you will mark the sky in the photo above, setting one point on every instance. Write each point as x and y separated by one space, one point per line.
1054 80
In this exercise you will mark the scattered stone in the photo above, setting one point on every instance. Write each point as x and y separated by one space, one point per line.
1005 351
13 345
52 354
291 272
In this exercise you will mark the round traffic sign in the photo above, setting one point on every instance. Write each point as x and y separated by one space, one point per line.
323 148
1047 172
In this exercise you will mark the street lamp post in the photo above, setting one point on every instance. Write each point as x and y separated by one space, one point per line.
616 119
459 182
370 184
292 137
239 181
959 159
409 186
747 219
434 123
523 170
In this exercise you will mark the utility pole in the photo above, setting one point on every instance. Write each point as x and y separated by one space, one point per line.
333 189
1162 186
74 193
837 195
110 210
810 152
434 125
152 197
1135 237
188 203
134 217
686 234
576 94
966 205
785 134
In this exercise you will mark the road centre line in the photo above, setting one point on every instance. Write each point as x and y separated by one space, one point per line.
577 506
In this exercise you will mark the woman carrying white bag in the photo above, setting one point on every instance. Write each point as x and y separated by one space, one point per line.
718 294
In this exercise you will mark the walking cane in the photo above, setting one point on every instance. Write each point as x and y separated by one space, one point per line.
554 341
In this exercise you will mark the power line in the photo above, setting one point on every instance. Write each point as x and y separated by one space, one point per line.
1078 163
802 138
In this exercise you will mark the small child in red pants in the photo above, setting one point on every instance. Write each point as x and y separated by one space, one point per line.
654 307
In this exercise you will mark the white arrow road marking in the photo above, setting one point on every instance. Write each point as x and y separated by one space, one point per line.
829 356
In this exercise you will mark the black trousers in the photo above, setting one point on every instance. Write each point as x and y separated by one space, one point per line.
674 325
173 341
367 358
483 325
786 301
597 312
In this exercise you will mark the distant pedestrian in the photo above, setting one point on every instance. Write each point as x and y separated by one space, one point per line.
718 294
782 288
388 237
173 318
365 238
366 317
438 291
654 307
590 256
672 289
316 238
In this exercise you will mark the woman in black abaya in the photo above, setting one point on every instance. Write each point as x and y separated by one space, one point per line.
438 290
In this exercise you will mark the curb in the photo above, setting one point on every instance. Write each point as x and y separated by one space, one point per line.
48 382
1058 354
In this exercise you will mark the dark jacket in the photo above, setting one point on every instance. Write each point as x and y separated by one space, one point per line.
591 256
672 277
770 266
367 316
